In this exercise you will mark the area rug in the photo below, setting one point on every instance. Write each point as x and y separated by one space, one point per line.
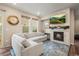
55 49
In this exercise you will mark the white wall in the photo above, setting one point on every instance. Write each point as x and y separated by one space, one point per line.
10 29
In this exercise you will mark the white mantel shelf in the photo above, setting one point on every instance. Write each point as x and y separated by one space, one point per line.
57 29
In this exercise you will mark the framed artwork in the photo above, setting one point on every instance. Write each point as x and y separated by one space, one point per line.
58 19
13 20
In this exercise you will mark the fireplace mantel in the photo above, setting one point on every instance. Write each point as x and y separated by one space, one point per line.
58 30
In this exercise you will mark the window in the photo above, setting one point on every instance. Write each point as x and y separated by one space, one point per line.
25 25
29 25
34 25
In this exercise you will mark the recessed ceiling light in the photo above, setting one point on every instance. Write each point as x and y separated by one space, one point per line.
38 13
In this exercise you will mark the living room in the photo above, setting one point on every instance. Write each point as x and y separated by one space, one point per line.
37 29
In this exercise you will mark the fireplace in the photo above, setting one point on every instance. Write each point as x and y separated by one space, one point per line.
58 36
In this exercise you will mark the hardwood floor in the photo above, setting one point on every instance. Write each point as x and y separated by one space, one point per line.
74 49
77 46
5 52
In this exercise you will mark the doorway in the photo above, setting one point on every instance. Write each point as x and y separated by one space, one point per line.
76 35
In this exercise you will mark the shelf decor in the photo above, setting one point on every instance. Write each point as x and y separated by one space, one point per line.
60 27
13 20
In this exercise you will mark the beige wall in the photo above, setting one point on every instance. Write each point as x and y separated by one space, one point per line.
8 29
72 23
76 26
77 20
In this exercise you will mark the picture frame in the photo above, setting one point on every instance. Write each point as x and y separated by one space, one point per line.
13 20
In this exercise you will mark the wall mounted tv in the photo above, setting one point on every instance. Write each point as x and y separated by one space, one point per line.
58 19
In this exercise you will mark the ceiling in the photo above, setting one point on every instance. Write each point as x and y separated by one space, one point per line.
41 9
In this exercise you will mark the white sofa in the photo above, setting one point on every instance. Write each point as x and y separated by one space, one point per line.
35 36
23 47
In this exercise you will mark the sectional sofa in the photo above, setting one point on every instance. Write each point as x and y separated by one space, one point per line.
30 44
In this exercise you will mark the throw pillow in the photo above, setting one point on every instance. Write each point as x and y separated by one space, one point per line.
25 43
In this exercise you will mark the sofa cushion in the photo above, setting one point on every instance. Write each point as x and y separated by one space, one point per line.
25 35
39 38
34 34
17 38
20 34
25 43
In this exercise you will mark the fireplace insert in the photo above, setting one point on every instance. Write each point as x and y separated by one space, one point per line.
59 36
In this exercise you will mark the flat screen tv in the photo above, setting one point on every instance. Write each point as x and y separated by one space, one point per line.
58 19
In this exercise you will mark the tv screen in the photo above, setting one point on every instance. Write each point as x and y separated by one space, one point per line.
58 19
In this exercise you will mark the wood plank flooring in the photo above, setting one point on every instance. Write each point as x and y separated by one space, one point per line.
5 52
77 46
74 49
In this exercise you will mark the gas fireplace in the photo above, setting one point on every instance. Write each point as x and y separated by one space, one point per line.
58 36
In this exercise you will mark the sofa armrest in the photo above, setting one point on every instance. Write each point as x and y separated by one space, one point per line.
33 50
17 47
